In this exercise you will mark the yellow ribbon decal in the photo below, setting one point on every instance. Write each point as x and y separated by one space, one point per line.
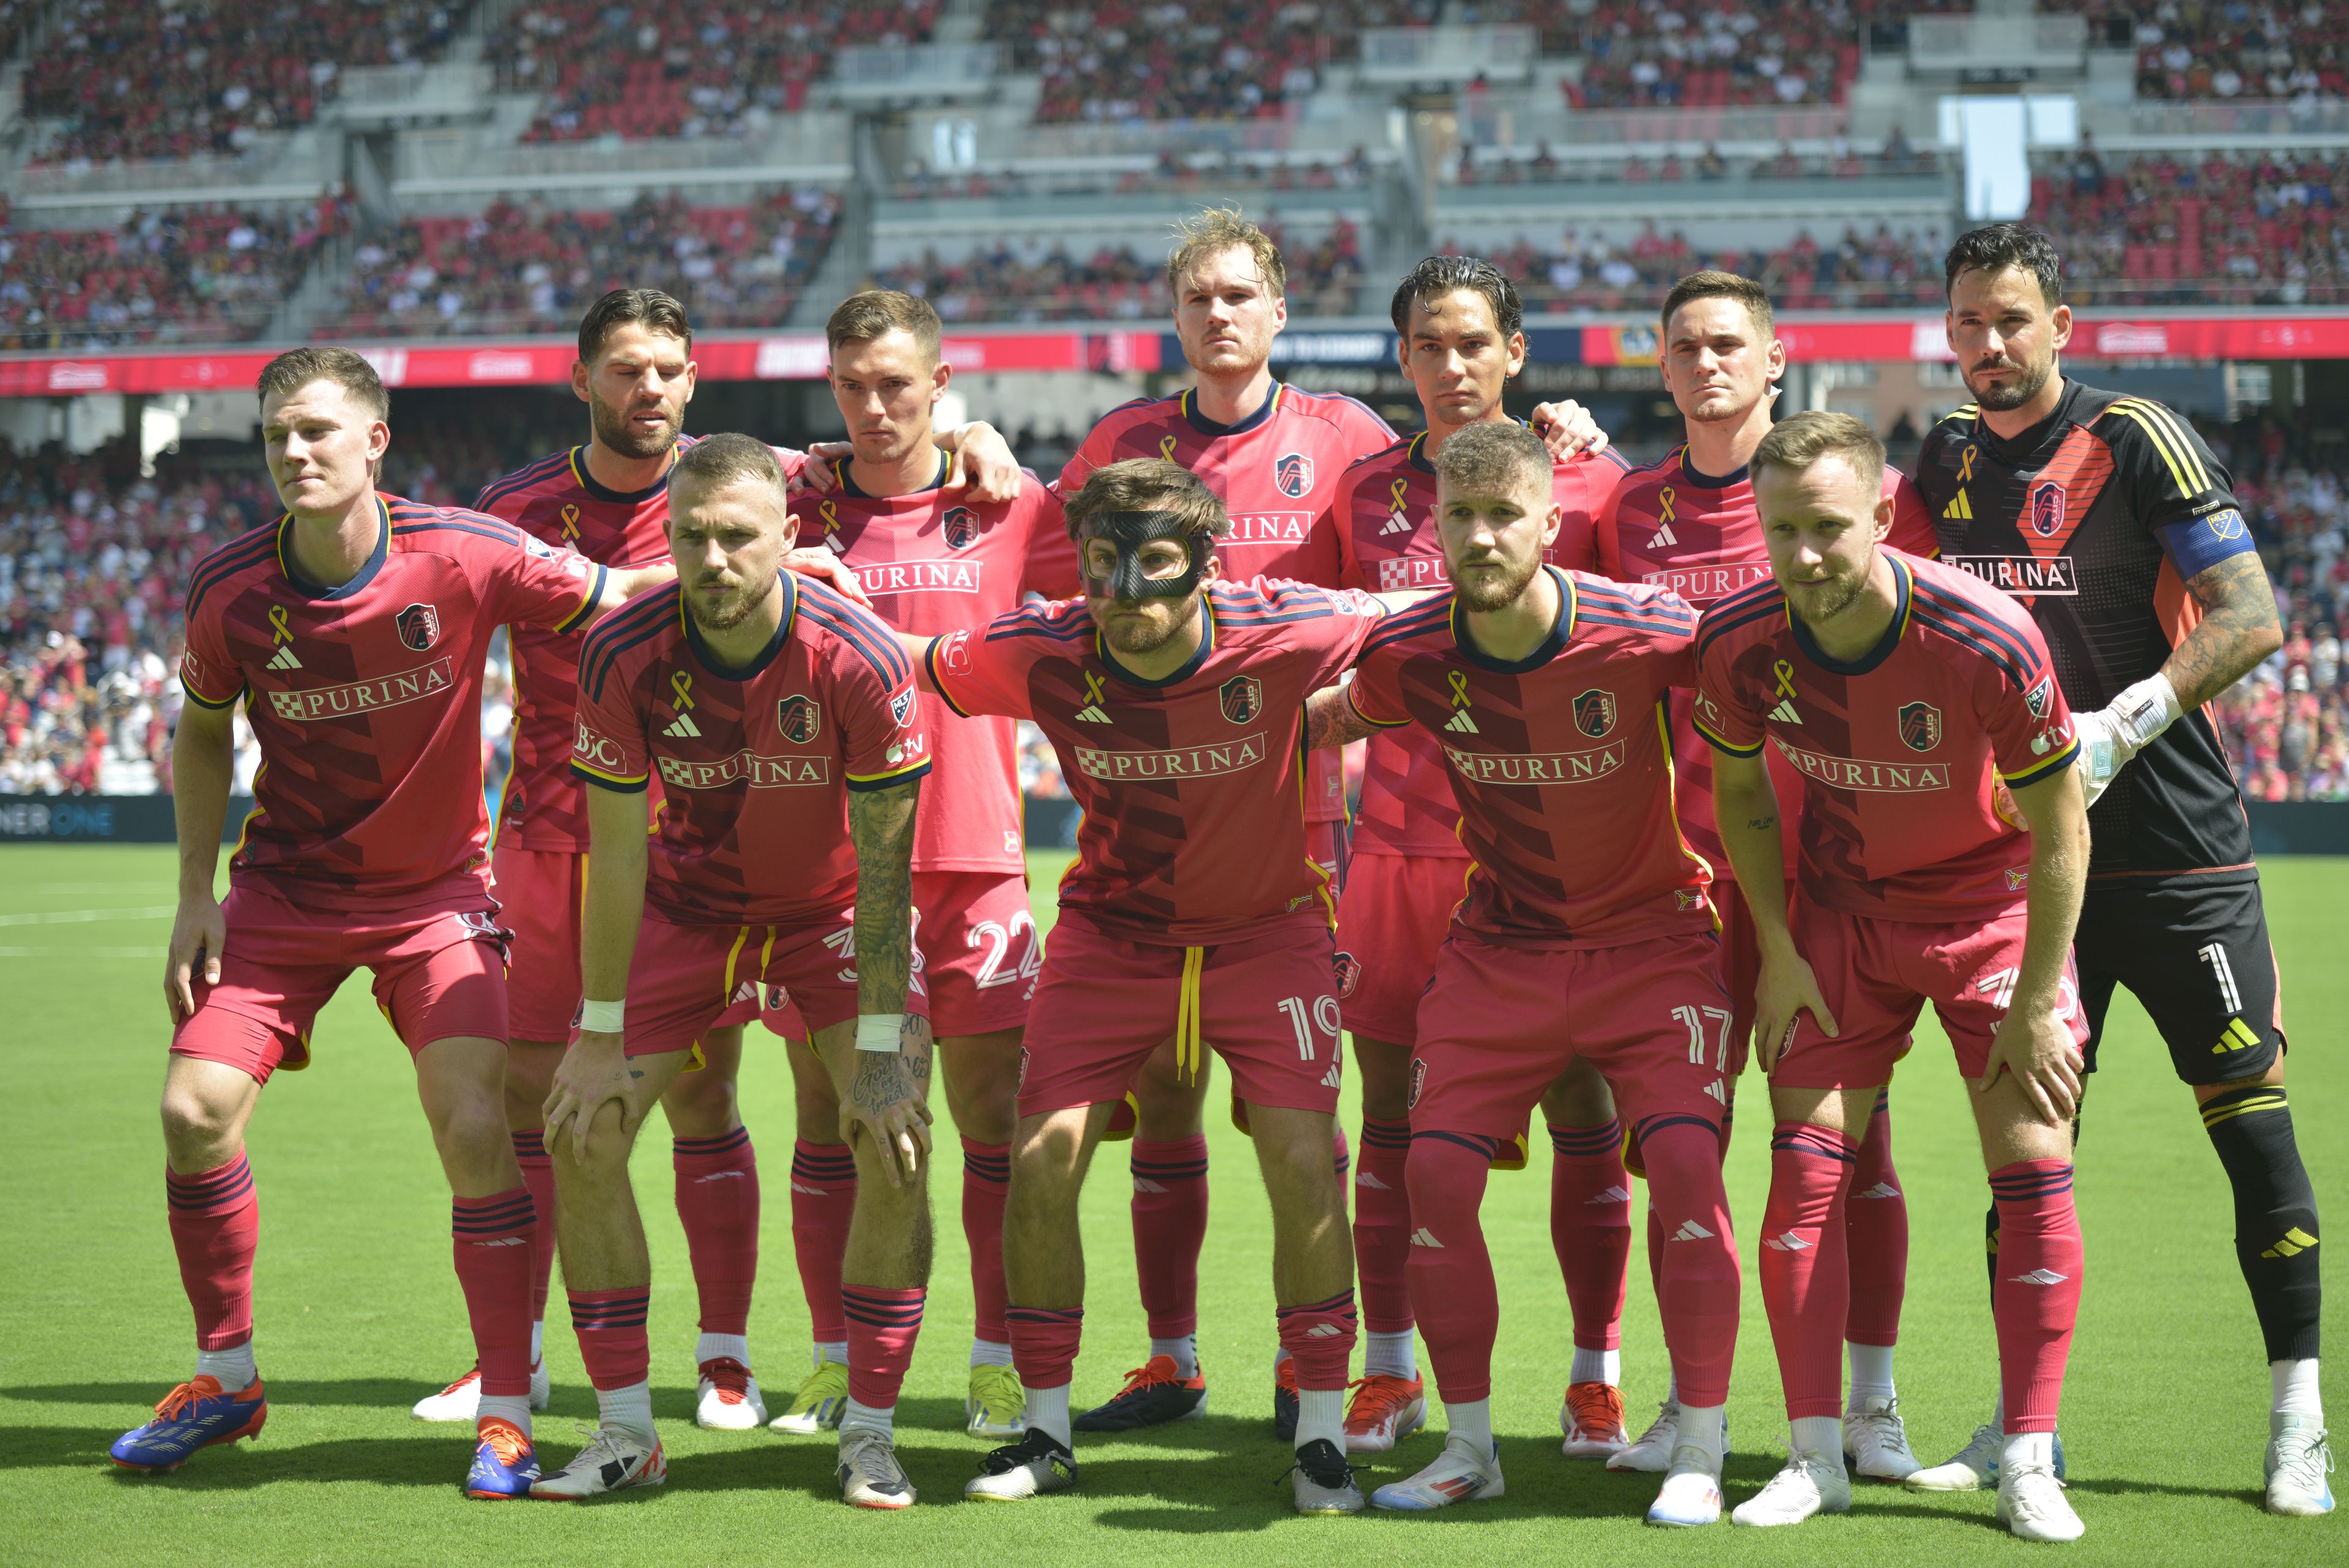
1397 491
1664 505
569 521
831 518
277 619
682 683
1460 688
1966 465
1093 688
1167 447
1189 1054
1786 673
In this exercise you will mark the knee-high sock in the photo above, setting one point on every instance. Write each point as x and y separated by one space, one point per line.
1806 1284
1451 1290
882 1327
1698 1296
986 1183
1591 1227
1382 1226
215 1221
717 1204
2037 1298
1320 1336
538 1176
611 1329
824 1196
2275 1215
1170 1225
1875 1235
1044 1343
1990 1214
493 1238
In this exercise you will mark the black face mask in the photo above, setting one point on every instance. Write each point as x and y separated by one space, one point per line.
1130 531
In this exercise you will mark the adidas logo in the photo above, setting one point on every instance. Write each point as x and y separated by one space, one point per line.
721 1176
1462 724
1396 524
1330 1079
746 991
284 660
1661 538
2295 1242
2239 1035
1365 1178
1785 712
515 1240
1959 509
682 728
1612 1195
1718 1090
1144 1184
2037 1277
1789 1242
800 1187
1324 1331
1882 1190
1424 1237
1091 713
1690 1230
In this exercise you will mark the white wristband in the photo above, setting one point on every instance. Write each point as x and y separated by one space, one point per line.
2144 710
879 1031
602 1017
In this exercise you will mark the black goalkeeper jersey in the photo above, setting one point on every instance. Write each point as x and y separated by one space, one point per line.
2096 519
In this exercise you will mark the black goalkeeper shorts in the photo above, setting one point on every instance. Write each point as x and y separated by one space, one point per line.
2199 960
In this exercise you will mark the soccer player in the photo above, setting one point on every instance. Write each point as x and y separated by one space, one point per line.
608 499
354 632
1688 524
1193 915
1944 842
1458 321
2117 527
933 562
782 721
1546 690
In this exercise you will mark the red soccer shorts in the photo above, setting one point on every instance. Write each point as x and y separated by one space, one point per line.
1398 910
1878 975
1267 1002
976 954
440 972
685 980
1499 1024
540 893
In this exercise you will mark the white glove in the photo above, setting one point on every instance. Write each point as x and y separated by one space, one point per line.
2110 736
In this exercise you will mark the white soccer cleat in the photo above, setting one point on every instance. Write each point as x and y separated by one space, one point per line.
1810 1484
1034 1466
1458 1475
819 1405
1651 1451
728 1399
461 1400
2031 1504
870 1475
615 1461
2299 1459
1971 1469
1325 1481
1874 1444
1691 1495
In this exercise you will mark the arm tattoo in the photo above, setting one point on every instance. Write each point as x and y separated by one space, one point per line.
881 826
1760 824
2237 630
1330 720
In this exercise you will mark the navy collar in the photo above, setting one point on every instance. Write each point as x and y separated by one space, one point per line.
619 498
1207 427
1703 481
708 658
1416 455
849 486
1190 665
1884 645
1550 648
360 580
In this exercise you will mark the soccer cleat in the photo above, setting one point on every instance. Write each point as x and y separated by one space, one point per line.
997 1404
2030 1504
613 1461
1874 1444
461 1400
1458 1475
870 1475
1810 1483
822 1400
1325 1481
1592 1417
1975 1465
1284 1399
504 1464
728 1399
1691 1495
2297 1460
1155 1394
1652 1450
1032 1466
1383 1411
195 1415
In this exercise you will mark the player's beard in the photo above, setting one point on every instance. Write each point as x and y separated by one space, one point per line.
727 613
2013 394
1140 638
1499 593
613 430
1828 600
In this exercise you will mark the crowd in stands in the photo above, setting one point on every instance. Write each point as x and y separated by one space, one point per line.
1839 160
2287 724
1034 282
1128 60
180 78
1210 176
534 266
1639 55
2237 51
1591 273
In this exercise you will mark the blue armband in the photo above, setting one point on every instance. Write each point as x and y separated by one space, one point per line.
2195 546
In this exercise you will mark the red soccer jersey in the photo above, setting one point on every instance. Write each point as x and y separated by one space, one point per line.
1192 786
1701 538
1275 472
366 699
1902 753
556 500
932 565
1385 511
1559 761
755 764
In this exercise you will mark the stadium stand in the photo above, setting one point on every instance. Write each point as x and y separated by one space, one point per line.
1030 283
1879 270
1128 60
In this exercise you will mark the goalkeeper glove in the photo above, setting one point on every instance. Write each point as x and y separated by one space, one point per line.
2110 736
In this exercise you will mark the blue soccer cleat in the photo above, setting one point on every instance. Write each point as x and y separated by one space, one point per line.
504 1463
194 1416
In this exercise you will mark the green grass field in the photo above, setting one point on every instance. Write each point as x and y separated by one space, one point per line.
359 1314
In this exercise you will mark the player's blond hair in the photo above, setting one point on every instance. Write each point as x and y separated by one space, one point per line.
876 313
1797 441
1491 459
1212 230
1149 485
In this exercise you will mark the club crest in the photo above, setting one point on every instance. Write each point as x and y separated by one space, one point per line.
1920 726
800 719
1350 973
1594 713
959 527
1292 474
2046 509
419 627
1418 1081
1242 697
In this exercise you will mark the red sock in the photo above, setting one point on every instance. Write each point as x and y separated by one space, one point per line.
824 1196
986 1183
1320 1338
1591 1227
611 1329
1451 1290
2037 1296
717 1204
1697 1295
882 1327
1044 1343
1806 1284
216 1222
538 1175
1170 1224
1382 1227
1876 1233
495 1238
